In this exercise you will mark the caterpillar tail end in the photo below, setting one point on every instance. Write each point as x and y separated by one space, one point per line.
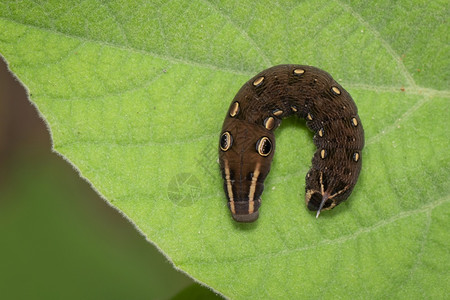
322 203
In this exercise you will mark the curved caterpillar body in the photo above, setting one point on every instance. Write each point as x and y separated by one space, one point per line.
247 142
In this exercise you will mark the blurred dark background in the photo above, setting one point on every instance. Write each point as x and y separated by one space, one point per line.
59 239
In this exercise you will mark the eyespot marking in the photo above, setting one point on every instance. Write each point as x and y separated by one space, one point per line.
234 109
269 123
356 156
336 90
258 81
294 109
264 146
321 132
354 122
299 71
277 112
323 153
226 140
309 117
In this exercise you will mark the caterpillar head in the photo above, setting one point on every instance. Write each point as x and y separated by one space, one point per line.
245 155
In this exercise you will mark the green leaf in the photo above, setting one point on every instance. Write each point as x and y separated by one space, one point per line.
135 93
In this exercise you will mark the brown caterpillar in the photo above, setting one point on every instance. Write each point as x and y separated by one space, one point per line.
247 142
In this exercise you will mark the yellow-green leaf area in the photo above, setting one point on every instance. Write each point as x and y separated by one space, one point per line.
135 92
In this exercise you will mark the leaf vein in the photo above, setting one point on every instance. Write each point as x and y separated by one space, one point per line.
402 215
405 116
241 30
385 44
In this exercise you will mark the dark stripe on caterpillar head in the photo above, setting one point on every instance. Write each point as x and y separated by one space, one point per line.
247 143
